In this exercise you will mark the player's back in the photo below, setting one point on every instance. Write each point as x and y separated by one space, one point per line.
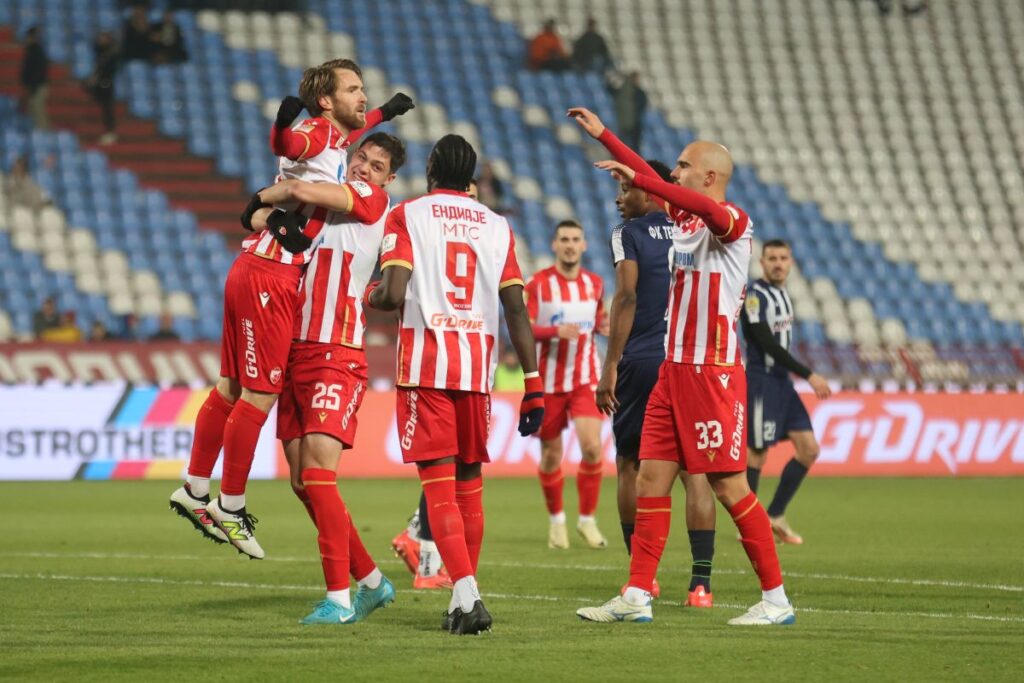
461 255
646 240
772 305
709 279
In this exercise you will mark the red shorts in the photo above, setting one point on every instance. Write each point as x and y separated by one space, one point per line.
323 389
696 416
580 402
259 309
440 423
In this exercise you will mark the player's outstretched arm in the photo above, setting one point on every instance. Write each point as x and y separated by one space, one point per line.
327 195
621 323
389 294
594 127
284 142
396 106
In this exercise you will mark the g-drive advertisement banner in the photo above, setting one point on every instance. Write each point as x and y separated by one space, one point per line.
118 431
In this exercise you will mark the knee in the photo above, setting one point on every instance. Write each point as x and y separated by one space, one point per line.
808 454
299 490
591 452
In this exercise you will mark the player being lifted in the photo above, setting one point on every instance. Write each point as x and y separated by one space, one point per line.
325 379
259 302
696 413
447 263
566 307
636 350
776 411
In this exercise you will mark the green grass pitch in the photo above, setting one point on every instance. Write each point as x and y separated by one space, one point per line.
898 580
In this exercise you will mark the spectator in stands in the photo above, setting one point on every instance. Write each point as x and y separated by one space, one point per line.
490 191
34 77
630 106
99 332
46 318
130 328
135 40
167 42
101 82
508 376
66 331
546 51
21 190
166 331
590 51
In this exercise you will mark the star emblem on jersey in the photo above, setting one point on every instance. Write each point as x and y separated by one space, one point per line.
724 379
264 298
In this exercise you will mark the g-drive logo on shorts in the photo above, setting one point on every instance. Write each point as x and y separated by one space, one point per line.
250 349
409 429
737 434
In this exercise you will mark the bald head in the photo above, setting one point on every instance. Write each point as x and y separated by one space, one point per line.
705 167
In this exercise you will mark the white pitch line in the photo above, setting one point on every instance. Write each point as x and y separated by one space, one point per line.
497 596
940 583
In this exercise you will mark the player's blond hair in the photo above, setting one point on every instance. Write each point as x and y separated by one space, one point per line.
322 81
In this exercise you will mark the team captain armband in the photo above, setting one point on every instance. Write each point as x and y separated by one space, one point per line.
752 305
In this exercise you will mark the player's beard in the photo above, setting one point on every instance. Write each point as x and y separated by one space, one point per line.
351 119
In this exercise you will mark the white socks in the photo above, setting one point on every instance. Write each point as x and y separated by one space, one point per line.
232 503
776 596
464 594
587 518
636 596
371 580
199 486
558 517
430 559
340 598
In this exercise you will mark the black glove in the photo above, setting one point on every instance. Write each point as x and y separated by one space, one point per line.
286 227
291 107
396 106
531 410
254 205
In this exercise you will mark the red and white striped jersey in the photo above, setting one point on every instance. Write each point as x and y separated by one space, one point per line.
552 300
325 159
327 163
461 255
709 280
330 304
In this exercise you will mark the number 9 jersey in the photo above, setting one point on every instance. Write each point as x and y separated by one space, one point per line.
461 255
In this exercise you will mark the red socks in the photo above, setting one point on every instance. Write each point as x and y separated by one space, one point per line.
361 562
209 435
333 525
653 518
757 539
588 485
551 484
241 433
446 519
470 497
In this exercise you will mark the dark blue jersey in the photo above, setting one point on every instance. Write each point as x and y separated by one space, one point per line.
646 240
768 304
